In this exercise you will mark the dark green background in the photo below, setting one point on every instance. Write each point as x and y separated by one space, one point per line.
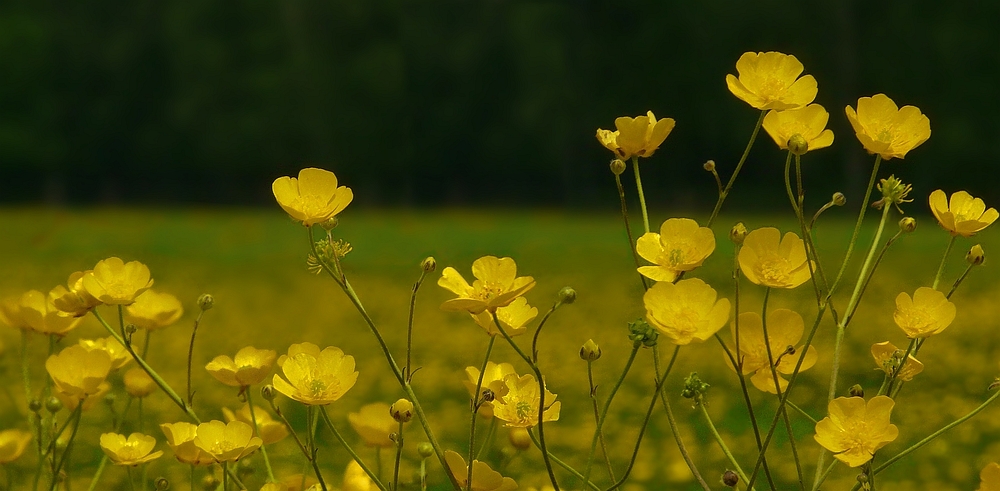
459 103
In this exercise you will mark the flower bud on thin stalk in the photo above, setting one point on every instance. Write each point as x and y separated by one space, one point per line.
738 233
590 351
617 167
401 411
567 295
428 265
206 302
907 224
730 479
975 256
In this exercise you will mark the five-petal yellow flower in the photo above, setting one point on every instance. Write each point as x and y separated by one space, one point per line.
313 197
771 81
37 311
887 358
799 130
962 215
884 129
73 298
118 354
154 310
767 259
226 442
77 371
496 285
115 282
134 450
250 366
494 379
928 312
317 380
854 430
636 137
680 246
483 477
519 408
180 438
686 311
784 329
514 318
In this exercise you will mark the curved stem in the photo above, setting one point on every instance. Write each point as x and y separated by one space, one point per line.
944 259
476 403
628 229
538 330
857 225
604 411
194 331
642 198
354 455
256 429
736 172
597 420
721 442
802 412
408 368
959 281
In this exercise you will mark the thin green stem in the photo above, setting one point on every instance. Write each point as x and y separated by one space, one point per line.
801 411
538 330
736 172
721 442
822 477
312 419
75 417
857 225
399 456
256 429
959 280
605 408
194 331
628 229
563 464
131 480
225 477
354 455
408 368
378 462
642 197
597 419
490 434
944 259
476 403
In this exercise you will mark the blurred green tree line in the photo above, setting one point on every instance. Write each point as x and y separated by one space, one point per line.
469 103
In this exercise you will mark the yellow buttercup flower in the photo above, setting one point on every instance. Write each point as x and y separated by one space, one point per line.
226 442
10 313
317 380
41 315
685 311
138 383
12 444
854 430
520 406
767 259
784 329
374 423
306 347
71 401
888 356
118 354
312 198
78 372
134 450
154 310
884 129
483 477
494 379
680 246
356 479
271 431
636 137
180 438
989 478
771 81
250 366
73 298
962 215
799 130
514 318
496 285
115 282
928 312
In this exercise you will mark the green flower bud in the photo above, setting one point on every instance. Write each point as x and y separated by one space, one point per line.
856 390
425 449
590 351
53 405
329 224
617 167
838 199
567 295
429 264
206 302
798 145
730 479
907 224
401 411
709 166
35 405
738 233
267 392
162 484
976 255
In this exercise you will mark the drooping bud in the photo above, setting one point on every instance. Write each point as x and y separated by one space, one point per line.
425 449
617 167
838 199
709 166
976 255
267 392
401 411
798 145
856 391
519 438
730 479
206 302
429 264
567 295
907 224
738 233
590 351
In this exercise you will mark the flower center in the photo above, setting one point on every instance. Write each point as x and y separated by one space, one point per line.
773 270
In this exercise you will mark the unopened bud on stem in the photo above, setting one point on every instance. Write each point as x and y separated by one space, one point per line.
590 351
567 295
976 255
429 264
738 233
617 167
206 302
907 224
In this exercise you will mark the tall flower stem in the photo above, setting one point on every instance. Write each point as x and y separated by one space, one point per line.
857 225
563 464
944 259
75 418
604 410
194 331
256 429
311 419
538 330
822 477
354 455
736 172
399 456
597 419
642 197
721 442
408 368
628 229
104 458
476 403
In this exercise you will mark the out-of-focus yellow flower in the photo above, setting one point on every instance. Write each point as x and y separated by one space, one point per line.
496 285
154 310
274 486
312 198
180 438
928 312
636 137
494 379
514 318
317 380
118 354
70 401
10 313
767 259
685 311
483 477
298 482
12 444
884 129
356 479
73 298
138 383
989 478
134 450
37 311
250 366
962 215
115 282
680 246
809 123
226 442
771 81
888 356
520 406
784 329
854 430
271 431
78 372
374 423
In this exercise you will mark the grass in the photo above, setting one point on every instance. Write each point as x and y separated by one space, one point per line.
252 261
